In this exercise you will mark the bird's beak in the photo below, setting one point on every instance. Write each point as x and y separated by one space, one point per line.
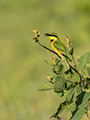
47 34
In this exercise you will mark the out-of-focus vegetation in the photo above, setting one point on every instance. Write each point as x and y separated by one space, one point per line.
22 66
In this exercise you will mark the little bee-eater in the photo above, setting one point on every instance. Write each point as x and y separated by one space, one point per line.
59 48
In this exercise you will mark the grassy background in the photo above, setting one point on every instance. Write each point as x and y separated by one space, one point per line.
22 66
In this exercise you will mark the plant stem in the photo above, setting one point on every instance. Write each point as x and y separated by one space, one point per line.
75 69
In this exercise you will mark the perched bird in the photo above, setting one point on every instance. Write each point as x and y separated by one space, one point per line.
59 48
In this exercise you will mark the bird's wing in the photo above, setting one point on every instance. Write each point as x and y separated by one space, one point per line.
59 46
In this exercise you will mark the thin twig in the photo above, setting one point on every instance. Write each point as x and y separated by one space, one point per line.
60 57
80 75
37 34
48 49
76 69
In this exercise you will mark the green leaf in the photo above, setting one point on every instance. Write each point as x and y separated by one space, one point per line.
69 81
69 94
83 60
59 84
58 69
80 98
88 68
64 106
61 107
71 51
49 62
75 77
79 88
84 99
61 94
79 114
45 88
81 103
71 107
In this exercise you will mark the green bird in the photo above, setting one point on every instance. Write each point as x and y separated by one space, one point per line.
59 48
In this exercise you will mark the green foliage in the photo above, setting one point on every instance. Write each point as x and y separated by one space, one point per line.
45 88
83 61
73 88
79 114
59 84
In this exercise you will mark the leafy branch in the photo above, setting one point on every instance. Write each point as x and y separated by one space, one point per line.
69 86
37 34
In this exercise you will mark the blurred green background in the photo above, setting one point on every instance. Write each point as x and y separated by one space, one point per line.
22 66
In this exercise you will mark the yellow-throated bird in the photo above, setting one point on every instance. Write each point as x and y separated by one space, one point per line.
59 48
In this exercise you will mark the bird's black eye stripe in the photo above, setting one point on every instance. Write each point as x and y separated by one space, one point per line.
47 34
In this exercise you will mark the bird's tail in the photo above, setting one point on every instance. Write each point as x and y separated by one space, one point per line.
70 69
66 56
61 56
